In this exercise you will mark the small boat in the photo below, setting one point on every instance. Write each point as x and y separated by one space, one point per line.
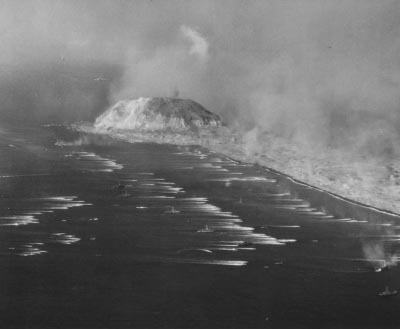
206 229
119 186
388 293
246 244
385 267
124 195
171 210
208 251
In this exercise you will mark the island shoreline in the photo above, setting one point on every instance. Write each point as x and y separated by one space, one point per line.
227 138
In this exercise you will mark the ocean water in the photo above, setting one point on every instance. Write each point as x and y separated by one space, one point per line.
98 233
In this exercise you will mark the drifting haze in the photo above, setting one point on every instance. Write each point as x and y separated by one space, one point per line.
320 72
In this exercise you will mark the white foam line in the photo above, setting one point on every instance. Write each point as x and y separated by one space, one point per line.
218 220
57 198
379 236
64 238
275 194
306 210
381 224
213 262
207 165
195 249
244 179
197 199
233 227
283 226
32 252
335 195
270 242
218 180
327 217
19 220
17 217
357 221
284 207
26 175
226 244
155 197
224 249
58 207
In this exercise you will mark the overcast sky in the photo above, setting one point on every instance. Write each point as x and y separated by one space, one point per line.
289 66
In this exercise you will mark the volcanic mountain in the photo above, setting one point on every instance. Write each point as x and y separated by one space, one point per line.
157 113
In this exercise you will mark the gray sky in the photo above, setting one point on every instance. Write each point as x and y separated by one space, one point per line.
306 69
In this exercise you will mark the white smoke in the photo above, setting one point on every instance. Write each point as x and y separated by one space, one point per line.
316 71
176 68
199 45
376 253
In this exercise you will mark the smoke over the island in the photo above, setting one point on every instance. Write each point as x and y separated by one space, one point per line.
199 43
321 72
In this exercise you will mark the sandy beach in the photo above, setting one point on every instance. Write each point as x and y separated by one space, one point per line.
354 176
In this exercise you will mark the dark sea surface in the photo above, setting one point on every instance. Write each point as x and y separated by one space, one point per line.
97 233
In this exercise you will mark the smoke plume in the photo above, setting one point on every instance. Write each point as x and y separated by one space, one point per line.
199 44
378 255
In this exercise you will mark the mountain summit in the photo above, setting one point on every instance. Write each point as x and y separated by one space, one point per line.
157 113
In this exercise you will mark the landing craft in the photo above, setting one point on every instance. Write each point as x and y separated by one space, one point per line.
119 186
246 244
171 210
383 268
206 229
388 293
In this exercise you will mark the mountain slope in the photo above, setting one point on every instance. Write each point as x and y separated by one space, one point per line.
157 113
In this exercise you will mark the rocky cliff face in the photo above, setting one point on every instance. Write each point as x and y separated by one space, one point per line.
157 113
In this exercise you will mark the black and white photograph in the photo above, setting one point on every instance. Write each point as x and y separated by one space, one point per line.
199 164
